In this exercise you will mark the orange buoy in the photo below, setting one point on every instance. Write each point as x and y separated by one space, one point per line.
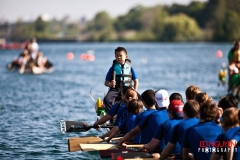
87 57
70 56
219 54
91 57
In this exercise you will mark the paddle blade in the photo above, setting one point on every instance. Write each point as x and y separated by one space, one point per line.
96 147
73 142
73 126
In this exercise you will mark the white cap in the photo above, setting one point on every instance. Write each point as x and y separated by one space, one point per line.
162 98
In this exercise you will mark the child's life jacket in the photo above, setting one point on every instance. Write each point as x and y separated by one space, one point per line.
123 73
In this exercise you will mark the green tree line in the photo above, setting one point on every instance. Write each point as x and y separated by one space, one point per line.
214 20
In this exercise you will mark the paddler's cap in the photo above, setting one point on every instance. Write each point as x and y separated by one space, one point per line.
176 106
162 98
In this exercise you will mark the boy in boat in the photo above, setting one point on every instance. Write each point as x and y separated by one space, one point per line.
225 103
125 74
198 137
202 98
151 118
176 96
191 92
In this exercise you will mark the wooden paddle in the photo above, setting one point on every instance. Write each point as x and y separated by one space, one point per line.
74 126
114 77
96 147
73 142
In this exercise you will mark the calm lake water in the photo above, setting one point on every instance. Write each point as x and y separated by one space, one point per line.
31 106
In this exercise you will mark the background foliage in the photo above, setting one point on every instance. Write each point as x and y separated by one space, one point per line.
214 20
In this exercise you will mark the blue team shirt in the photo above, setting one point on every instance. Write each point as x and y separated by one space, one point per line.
109 75
164 131
116 108
178 131
128 124
121 115
201 132
234 133
142 118
150 123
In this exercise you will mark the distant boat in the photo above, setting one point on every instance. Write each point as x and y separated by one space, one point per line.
13 46
48 68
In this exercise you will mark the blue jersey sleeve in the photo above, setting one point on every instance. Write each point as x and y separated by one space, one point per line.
230 133
109 75
134 75
237 136
122 124
159 132
113 111
220 139
185 139
173 138
144 118
121 115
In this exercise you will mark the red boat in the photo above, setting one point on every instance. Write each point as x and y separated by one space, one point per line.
13 46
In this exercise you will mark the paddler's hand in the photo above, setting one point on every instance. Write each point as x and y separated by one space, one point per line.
156 155
107 140
124 144
97 127
143 148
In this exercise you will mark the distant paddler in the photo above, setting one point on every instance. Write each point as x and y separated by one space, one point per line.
234 65
234 58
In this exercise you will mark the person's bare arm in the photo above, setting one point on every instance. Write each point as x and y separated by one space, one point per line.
231 152
110 84
129 135
186 155
136 83
109 132
166 152
104 119
215 156
151 145
114 133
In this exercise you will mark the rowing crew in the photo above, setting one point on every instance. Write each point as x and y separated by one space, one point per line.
198 129
30 60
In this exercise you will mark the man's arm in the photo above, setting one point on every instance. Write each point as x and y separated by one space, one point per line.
186 155
166 152
109 132
231 152
152 144
114 133
102 120
215 156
